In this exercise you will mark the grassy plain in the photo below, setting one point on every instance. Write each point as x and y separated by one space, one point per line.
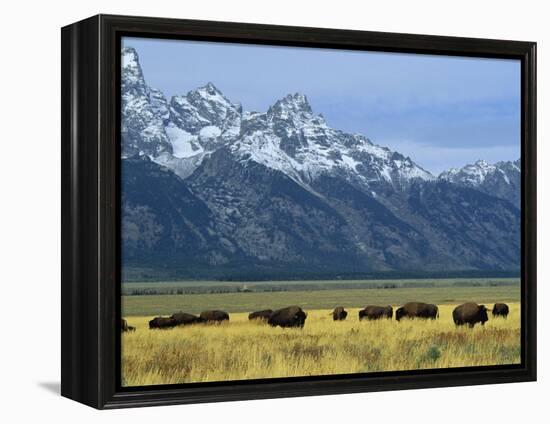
241 349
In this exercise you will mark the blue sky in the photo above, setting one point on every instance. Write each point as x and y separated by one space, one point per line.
441 111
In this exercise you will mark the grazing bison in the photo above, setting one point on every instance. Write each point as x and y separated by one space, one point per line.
183 318
372 312
470 313
214 316
132 329
501 310
123 325
339 314
162 322
260 315
293 316
417 310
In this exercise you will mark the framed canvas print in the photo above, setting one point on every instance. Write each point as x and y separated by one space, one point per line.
255 211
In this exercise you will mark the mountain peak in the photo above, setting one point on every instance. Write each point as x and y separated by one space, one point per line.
131 67
291 104
481 163
297 101
210 89
210 94
501 179
130 58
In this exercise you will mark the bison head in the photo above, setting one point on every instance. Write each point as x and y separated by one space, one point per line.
399 314
483 314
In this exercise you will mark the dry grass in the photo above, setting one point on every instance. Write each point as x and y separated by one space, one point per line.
243 350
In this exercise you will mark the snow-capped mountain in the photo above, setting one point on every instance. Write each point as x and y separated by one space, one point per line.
502 179
144 112
289 137
210 188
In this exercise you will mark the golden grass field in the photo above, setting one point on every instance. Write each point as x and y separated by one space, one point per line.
241 349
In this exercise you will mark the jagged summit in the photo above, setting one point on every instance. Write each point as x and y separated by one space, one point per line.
291 104
144 111
129 57
131 69
209 93
502 179
472 174
210 88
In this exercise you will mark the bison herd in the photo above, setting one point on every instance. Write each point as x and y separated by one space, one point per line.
293 316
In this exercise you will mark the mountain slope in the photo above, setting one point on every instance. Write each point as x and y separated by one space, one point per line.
164 222
272 217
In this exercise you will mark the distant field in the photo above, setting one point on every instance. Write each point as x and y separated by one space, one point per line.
192 287
240 349
310 294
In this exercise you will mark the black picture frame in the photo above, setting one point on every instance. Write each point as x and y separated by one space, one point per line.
90 210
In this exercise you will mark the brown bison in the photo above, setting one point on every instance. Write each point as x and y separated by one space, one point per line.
293 316
183 318
372 312
339 314
131 329
417 310
260 315
501 310
470 313
123 325
162 322
214 316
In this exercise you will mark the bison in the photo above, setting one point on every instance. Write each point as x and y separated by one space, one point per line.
470 313
417 310
260 315
293 316
339 314
214 316
372 312
162 322
183 318
501 310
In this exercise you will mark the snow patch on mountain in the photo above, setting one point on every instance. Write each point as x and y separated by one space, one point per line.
184 144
